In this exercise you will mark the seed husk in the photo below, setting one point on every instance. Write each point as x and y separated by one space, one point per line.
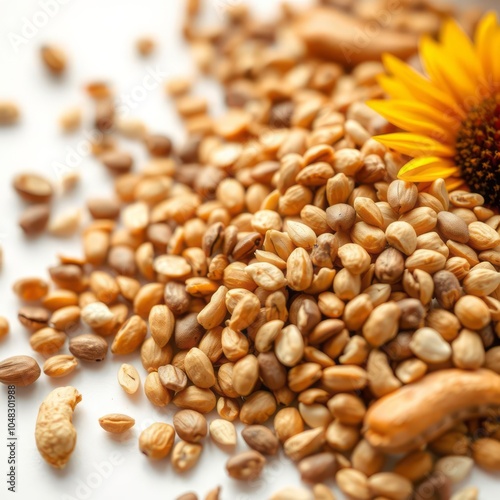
33 318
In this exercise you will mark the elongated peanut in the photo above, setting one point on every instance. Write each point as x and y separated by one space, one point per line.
54 433
417 413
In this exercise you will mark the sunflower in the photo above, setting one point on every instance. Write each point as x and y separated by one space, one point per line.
451 115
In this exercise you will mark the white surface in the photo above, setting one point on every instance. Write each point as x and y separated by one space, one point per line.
98 36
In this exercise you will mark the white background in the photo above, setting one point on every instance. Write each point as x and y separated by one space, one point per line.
98 36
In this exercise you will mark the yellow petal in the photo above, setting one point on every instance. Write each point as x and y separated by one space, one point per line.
421 88
394 88
496 59
446 72
483 37
427 169
410 118
415 145
459 47
419 111
453 183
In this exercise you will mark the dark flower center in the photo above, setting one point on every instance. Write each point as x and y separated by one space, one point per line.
478 150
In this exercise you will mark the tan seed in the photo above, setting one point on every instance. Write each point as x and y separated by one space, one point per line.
415 466
468 493
154 390
60 365
246 466
172 378
344 378
390 485
88 347
486 454
47 341
291 493
318 467
116 423
33 188
456 468
199 368
9 113
65 224
130 336
428 345
161 324
304 444
19 370
97 315
223 433
472 312
261 439
54 59
30 288
129 378
468 350
34 219
288 423
190 425
33 318
195 398
353 483
185 455
4 327
156 441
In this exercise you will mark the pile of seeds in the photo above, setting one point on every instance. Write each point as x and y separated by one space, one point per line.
274 269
